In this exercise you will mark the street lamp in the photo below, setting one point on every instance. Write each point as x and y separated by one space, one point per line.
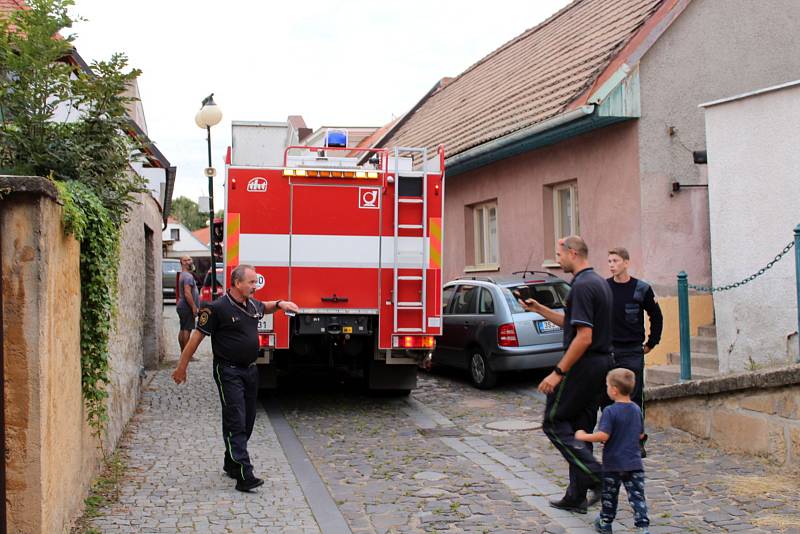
208 116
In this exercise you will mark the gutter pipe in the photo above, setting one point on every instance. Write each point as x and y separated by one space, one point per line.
515 137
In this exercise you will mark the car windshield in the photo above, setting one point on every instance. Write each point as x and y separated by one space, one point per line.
550 294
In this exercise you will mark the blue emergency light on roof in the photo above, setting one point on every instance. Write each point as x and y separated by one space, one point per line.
336 138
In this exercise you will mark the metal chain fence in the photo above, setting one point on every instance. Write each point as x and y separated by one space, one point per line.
767 267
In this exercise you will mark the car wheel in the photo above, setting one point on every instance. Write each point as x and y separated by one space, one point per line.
479 371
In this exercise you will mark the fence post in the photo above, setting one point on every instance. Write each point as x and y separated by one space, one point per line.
683 322
797 280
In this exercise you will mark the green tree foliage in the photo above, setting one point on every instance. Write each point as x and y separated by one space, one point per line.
72 126
187 212
57 120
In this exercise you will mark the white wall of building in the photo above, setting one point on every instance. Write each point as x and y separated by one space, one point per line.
754 198
185 245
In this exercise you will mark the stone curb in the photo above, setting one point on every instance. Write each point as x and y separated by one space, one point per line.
767 378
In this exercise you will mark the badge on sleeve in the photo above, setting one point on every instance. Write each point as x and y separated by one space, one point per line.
202 319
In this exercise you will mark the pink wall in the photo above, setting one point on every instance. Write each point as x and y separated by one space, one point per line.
605 164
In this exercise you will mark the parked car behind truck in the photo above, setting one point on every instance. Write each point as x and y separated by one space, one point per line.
487 332
169 275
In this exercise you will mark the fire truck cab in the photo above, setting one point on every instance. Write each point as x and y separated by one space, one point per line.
353 236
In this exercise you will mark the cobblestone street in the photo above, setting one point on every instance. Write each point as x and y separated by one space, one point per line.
419 464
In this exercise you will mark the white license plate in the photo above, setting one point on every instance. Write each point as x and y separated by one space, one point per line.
264 325
546 327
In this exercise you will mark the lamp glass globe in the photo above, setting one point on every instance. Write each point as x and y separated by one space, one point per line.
209 115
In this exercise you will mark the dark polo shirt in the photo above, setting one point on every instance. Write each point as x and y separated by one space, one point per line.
589 303
233 328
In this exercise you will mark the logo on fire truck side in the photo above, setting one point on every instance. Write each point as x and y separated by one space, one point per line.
257 185
369 198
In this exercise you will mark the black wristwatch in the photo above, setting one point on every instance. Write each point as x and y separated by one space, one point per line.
557 370
278 304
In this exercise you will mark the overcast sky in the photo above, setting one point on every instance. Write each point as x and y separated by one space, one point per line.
348 63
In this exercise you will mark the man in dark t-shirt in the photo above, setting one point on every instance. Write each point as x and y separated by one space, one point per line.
632 298
232 323
574 387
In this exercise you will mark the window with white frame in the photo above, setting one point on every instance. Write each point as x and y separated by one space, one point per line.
565 210
485 219
175 234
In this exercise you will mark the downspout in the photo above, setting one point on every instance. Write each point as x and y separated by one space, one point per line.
501 142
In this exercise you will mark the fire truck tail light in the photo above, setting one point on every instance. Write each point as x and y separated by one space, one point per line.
299 172
372 174
361 174
266 341
415 342
507 335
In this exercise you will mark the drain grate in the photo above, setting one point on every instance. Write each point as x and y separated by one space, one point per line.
510 425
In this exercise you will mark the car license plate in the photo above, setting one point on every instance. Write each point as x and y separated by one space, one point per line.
546 327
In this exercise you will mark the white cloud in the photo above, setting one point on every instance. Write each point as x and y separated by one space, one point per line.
355 62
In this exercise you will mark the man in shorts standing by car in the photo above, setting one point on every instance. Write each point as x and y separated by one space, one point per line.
575 386
188 301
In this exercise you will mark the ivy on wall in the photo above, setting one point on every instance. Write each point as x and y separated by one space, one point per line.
91 224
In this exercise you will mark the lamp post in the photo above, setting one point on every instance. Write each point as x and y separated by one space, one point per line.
208 116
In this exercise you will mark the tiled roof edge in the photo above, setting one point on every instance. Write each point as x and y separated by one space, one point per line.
516 39
440 84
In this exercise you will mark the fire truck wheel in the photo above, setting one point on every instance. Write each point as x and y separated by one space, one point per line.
479 371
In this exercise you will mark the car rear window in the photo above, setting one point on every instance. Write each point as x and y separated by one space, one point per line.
550 294
207 280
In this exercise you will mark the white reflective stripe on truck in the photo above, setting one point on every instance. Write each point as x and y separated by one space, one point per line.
272 250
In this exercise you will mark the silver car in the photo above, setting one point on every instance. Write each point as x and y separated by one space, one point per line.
486 331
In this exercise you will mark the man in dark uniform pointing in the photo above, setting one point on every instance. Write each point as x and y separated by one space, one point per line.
575 386
232 323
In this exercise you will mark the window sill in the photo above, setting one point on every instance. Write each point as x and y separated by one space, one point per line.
481 268
550 264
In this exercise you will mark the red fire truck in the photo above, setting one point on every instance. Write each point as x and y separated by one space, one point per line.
354 237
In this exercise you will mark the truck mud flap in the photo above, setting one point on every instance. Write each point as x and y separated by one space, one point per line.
391 377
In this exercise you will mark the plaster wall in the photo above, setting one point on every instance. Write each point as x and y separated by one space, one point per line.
50 453
605 166
713 50
754 198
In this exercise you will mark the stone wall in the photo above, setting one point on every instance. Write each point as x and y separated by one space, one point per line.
51 456
755 413
135 344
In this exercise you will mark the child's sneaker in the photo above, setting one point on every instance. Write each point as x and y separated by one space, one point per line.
602 526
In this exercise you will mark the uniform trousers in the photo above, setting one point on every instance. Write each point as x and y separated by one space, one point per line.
573 406
632 358
238 394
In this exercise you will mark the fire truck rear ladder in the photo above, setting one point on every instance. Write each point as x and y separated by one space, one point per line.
421 278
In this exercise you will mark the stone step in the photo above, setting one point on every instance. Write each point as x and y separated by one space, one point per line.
709 330
700 360
705 344
660 375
